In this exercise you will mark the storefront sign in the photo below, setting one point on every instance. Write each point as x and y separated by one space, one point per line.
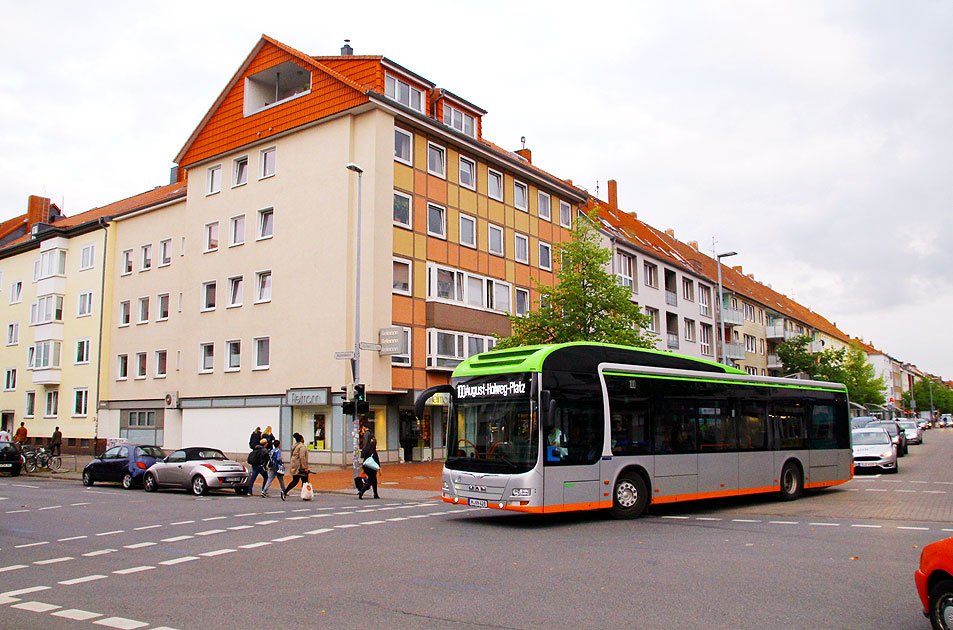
440 398
392 341
308 397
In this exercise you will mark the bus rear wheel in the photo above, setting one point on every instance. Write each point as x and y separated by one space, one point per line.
629 497
792 481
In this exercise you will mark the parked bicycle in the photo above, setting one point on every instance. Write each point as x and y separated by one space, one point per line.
41 458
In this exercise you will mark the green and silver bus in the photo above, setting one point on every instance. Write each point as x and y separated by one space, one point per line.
579 426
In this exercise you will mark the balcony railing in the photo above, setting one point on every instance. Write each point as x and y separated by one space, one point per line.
777 331
774 363
672 341
735 351
671 298
732 316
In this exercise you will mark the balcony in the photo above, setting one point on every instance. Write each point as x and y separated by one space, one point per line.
774 363
735 351
672 340
48 376
777 331
732 316
671 298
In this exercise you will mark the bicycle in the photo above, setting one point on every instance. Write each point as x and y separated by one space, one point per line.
41 458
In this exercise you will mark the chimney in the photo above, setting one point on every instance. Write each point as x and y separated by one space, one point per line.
751 275
693 245
346 48
38 211
738 269
613 195
670 232
526 154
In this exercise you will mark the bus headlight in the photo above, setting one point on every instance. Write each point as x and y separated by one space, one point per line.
522 492
446 486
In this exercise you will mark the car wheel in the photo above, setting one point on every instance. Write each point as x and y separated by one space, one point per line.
941 605
15 472
87 478
242 491
149 483
127 481
199 486
629 497
792 482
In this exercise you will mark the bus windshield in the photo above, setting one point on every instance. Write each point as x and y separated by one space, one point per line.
493 428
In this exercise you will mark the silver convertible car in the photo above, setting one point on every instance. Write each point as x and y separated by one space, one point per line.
197 469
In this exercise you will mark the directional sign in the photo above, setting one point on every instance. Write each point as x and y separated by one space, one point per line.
341 356
392 340
366 345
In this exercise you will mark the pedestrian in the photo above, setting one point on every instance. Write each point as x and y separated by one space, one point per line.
276 468
255 438
257 458
299 464
20 434
5 436
56 442
267 435
372 463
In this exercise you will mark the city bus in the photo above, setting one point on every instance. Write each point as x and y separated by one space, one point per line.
580 426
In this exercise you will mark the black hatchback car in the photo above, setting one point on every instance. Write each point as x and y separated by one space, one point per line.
125 463
897 434
11 460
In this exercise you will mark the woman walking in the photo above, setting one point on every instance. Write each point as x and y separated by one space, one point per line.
369 454
276 468
299 464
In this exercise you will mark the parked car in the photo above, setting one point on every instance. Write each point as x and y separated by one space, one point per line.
896 434
861 421
925 423
874 448
913 432
125 463
934 580
11 459
197 469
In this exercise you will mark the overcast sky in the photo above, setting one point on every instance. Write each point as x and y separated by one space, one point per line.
813 138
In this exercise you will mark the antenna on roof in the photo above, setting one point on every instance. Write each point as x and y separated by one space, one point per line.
523 142
597 189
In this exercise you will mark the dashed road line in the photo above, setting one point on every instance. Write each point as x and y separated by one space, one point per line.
286 538
12 567
112 533
81 580
25 591
101 552
177 538
71 538
209 532
179 560
121 623
131 570
254 545
139 529
140 545
217 552
76 614
54 560
38 607
35 544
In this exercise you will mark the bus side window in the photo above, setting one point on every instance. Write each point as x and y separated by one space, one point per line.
575 437
675 427
752 427
820 431
788 419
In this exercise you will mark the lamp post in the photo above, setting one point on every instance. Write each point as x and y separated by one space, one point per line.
932 409
356 361
721 307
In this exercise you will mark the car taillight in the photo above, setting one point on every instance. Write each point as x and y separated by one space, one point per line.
210 467
141 465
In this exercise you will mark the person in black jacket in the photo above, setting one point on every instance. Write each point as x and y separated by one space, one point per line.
369 451
255 438
257 458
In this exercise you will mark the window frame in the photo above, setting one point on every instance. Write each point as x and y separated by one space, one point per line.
213 180
128 264
568 212
492 176
233 222
16 292
404 359
549 205
122 367
517 237
443 221
258 364
236 171
88 297
263 214
125 313
142 366
80 402
145 257
410 276
143 301
203 355
409 225
473 172
229 355
263 162
13 334
206 307
10 380
165 247
525 188
51 408
91 249
650 274
473 221
409 161
160 298
211 229
392 84
82 353
549 254
442 151
230 295
164 365
491 229
260 286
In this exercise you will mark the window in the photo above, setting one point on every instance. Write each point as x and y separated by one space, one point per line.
263 286
145 258
467 173
748 311
521 196
403 93
211 237
162 310
705 331
753 371
16 292
13 334
653 318
450 285
436 160
165 252
495 239
141 364
403 143
82 351
235 291
751 344
688 290
10 380
214 179
262 353
161 363
521 248
498 295
689 329
704 300
46 309
146 419
461 121
84 307
403 358
124 313
565 214
436 220
401 276
624 269
80 401
51 263
761 349
266 223
467 230
650 274
52 403
268 162
236 230
29 407
208 296
522 301
543 206
240 171
234 348
206 357
402 210
143 310
446 349
545 256
126 268
44 355
494 185
86 257
122 367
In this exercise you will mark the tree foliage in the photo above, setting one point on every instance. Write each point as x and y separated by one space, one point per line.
842 365
587 303
942 396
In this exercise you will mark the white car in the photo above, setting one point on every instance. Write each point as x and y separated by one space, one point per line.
874 448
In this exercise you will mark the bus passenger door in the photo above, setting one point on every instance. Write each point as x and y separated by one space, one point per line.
572 451
676 450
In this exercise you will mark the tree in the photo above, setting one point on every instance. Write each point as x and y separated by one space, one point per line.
586 304
842 365
942 396
863 386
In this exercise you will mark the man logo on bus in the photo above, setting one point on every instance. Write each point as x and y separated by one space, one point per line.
513 388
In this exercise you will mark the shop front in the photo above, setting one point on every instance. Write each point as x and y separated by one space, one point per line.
311 416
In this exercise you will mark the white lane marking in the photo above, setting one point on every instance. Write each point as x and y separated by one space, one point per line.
112 533
297 518
301 510
905 491
22 485
707 518
934 492
182 523
79 504
319 515
71 538
214 518
371 522
121 623
80 580
944 483
39 607
919 529
101 552
16 511
12 567
419 515
133 570
50 507
319 531
868 526
238 527
679 518
341 513
398 518
276 512
286 538
209 532
54 560
265 522
140 545
8 600
919 482
254 545
177 538
76 614
782 522
139 529
36 544
346 526
745 520
25 591
217 552
179 560
826 524
361 511
875 489
248 514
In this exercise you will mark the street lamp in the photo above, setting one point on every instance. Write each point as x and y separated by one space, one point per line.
356 361
721 307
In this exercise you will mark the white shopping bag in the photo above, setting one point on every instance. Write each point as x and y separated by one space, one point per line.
307 492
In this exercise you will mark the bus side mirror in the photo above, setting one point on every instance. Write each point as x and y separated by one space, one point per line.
427 394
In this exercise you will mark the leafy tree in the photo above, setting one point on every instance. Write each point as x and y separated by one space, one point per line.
942 396
586 304
843 365
863 386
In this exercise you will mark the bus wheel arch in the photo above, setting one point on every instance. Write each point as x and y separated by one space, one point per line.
792 480
630 493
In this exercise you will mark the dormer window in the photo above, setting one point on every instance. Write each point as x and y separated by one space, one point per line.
274 85
403 92
453 117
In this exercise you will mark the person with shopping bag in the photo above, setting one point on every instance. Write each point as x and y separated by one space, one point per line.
299 468
371 461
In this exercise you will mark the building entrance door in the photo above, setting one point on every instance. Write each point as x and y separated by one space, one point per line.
6 421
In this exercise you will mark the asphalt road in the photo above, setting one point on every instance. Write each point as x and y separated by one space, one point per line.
104 557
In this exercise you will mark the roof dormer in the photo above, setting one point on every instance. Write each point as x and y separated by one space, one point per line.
275 85
459 114
405 87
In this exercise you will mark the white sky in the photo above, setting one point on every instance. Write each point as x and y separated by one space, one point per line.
814 138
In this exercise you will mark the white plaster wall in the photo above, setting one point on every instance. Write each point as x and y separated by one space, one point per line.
226 429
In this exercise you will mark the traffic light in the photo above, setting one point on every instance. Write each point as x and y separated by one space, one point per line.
360 402
348 407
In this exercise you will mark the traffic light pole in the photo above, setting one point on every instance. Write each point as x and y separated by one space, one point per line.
356 361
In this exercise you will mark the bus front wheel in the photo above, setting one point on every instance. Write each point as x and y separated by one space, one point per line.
629 497
792 481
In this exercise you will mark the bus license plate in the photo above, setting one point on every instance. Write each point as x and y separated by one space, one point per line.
477 502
